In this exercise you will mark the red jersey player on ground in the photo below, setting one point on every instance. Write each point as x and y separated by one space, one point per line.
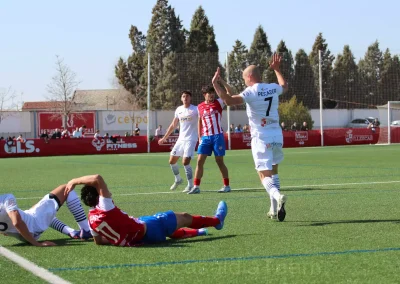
110 225
211 137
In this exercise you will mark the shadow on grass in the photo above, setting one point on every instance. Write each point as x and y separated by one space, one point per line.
58 242
314 188
182 242
325 223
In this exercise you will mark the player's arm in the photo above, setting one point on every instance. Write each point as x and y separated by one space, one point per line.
96 181
199 127
100 240
225 92
170 129
21 227
275 65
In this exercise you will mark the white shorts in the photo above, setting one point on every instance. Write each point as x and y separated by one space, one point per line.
184 149
267 152
41 215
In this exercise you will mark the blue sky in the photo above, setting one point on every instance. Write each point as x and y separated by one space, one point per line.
92 35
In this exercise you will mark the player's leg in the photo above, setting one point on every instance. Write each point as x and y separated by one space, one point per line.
219 152
204 150
263 158
74 206
274 204
175 170
64 229
197 221
188 153
185 233
277 159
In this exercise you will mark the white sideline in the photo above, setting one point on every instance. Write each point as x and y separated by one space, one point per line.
246 188
31 267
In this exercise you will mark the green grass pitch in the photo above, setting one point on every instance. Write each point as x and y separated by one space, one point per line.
342 223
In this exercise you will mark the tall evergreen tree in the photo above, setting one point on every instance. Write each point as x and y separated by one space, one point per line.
327 62
201 54
260 50
370 69
345 80
390 81
237 62
165 35
303 82
129 73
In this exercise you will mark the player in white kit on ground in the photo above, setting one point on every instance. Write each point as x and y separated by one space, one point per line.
187 116
262 101
28 225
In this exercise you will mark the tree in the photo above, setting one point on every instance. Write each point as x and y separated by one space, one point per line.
286 68
260 50
390 82
370 69
303 82
7 98
165 35
237 62
130 73
61 90
293 111
327 62
345 79
201 53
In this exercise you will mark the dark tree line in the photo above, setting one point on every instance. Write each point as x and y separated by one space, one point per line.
187 60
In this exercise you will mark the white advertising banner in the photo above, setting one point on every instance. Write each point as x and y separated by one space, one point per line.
15 121
123 120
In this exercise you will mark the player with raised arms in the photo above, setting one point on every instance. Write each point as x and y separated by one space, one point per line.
187 116
262 101
110 225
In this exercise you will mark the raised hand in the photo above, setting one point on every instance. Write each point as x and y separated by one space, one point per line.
216 77
275 62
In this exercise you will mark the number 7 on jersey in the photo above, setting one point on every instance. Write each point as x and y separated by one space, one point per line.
269 99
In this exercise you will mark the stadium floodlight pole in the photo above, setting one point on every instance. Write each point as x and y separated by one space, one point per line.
228 108
388 105
148 102
321 126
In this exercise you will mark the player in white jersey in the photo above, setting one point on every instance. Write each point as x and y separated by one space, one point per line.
262 101
187 116
28 225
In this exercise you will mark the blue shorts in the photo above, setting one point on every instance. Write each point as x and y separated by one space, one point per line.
212 143
159 226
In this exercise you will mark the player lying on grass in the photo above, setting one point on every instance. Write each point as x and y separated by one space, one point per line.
110 225
28 225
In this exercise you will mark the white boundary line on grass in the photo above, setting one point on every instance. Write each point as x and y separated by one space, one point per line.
31 267
247 188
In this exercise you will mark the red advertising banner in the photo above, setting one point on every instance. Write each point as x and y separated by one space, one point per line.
138 144
50 121
73 146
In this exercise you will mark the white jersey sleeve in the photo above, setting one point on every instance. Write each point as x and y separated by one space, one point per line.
221 102
105 204
262 101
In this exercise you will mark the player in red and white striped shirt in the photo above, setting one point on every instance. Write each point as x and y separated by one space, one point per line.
212 138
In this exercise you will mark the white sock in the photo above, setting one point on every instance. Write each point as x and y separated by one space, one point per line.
189 175
60 226
75 207
274 203
175 170
270 187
